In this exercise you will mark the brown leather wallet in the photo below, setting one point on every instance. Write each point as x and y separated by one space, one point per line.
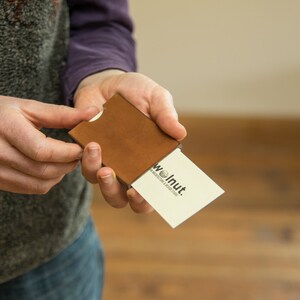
130 142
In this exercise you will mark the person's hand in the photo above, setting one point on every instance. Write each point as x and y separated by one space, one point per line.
150 98
31 163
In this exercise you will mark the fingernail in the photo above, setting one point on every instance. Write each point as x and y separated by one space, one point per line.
93 152
108 179
96 117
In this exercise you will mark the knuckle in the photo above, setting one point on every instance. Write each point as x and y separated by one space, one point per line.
167 95
42 187
114 199
42 153
44 172
162 93
115 203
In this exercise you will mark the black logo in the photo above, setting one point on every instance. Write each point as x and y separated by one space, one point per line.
168 180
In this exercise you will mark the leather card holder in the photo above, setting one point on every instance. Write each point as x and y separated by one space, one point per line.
131 143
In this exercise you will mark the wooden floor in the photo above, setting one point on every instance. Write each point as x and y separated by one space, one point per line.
244 246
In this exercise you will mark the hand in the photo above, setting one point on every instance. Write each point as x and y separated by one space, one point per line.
31 163
150 98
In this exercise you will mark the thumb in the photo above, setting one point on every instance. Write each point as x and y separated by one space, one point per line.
55 116
89 96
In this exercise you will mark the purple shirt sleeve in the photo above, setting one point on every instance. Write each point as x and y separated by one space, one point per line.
100 39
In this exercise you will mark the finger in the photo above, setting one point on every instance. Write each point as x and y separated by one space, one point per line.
35 145
91 162
14 181
42 170
163 113
113 192
55 116
11 157
48 170
137 203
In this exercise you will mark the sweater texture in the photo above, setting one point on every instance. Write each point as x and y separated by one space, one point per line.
33 48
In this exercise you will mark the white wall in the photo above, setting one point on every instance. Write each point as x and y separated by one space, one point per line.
223 57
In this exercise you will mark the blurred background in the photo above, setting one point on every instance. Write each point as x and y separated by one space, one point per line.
223 57
233 68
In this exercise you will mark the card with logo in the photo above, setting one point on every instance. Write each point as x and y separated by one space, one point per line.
176 188
147 159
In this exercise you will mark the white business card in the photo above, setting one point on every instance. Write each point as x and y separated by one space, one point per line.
176 188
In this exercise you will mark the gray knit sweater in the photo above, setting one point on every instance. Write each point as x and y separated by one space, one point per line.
33 46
